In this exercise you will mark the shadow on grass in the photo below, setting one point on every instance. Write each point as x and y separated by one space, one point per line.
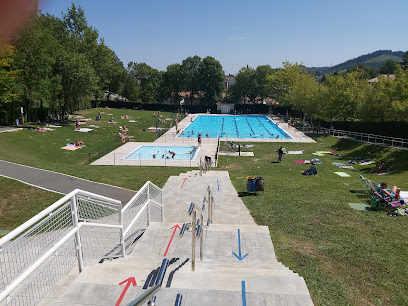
246 194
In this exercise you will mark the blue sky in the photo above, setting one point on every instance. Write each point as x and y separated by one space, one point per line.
237 33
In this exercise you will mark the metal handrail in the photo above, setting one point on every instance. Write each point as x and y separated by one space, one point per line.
157 286
178 299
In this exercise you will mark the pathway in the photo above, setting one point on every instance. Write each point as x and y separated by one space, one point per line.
61 183
220 279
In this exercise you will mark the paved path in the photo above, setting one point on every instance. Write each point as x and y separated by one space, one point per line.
61 183
218 279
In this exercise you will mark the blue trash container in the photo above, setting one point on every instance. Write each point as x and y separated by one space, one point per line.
250 184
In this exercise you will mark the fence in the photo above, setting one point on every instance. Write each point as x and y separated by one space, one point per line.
80 226
393 142
105 149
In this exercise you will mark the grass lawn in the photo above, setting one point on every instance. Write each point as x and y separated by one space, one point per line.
43 150
346 256
19 202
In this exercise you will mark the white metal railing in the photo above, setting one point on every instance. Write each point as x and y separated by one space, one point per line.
371 138
79 226
146 206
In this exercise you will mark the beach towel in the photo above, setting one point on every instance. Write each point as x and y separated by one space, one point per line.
342 174
94 126
367 163
132 121
295 152
318 154
71 147
323 152
299 161
346 167
84 130
338 164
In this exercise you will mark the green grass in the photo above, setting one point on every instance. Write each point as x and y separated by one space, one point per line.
43 150
346 256
19 202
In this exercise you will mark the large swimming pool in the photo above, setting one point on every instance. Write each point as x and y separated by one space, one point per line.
229 126
163 152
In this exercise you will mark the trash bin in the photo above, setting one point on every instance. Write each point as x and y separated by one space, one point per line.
250 184
259 184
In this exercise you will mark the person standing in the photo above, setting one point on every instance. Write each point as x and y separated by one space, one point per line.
199 139
280 154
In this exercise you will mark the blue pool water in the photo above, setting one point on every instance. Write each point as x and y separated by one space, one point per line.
163 152
242 126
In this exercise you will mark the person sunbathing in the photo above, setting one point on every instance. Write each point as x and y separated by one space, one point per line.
79 143
394 192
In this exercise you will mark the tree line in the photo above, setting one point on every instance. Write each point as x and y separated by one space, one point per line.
59 65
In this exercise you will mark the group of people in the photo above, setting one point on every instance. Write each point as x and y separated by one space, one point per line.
393 193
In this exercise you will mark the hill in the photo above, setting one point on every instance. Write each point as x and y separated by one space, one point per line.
373 60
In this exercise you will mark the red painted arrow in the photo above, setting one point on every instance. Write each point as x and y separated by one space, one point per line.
183 182
130 280
176 227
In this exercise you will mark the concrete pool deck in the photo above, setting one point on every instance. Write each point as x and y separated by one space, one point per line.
208 145
115 157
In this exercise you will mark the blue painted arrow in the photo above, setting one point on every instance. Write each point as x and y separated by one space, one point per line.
239 248
243 293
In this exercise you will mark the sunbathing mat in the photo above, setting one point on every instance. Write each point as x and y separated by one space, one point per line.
342 174
323 152
367 163
404 194
295 152
71 148
84 130
299 161
318 154
359 206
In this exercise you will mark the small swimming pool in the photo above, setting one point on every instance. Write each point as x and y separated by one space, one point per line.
229 126
185 153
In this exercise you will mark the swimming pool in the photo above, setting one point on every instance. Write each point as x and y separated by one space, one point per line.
163 152
229 126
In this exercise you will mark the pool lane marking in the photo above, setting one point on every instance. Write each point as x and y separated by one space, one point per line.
243 293
184 180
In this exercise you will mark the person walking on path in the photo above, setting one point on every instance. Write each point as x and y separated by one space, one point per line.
280 154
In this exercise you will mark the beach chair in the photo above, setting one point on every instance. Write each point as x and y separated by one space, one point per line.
388 200
369 184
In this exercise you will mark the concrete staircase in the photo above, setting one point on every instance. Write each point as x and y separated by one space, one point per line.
217 280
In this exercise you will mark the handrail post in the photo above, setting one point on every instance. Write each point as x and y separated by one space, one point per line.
201 238
74 212
193 229
209 204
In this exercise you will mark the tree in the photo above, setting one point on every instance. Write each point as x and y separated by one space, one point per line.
261 81
150 80
8 75
404 63
211 79
37 50
279 83
245 84
172 82
388 67
190 72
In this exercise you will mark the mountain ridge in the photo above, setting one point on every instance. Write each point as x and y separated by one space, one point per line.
373 60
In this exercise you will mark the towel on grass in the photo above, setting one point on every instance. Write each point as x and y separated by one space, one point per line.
84 130
318 154
299 161
367 163
132 121
323 152
71 147
295 152
346 167
342 174
94 126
